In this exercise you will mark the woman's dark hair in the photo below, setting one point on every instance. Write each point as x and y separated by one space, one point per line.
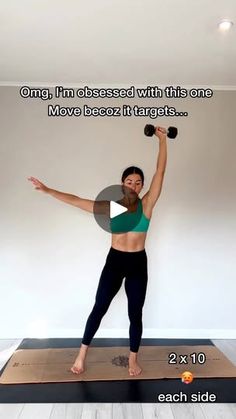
130 170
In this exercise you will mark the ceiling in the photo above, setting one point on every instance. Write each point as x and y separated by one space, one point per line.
117 42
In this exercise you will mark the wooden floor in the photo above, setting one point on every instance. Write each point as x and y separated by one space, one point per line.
117 410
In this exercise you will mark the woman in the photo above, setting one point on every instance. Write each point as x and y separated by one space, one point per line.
126 258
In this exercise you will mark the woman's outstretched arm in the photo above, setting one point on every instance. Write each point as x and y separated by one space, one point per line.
85 204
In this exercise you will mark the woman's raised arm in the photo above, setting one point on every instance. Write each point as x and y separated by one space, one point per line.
154 191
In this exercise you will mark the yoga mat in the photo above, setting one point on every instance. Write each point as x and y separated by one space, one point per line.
111 363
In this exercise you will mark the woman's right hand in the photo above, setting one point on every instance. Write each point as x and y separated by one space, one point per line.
38 185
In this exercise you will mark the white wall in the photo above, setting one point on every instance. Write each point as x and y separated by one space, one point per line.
52 254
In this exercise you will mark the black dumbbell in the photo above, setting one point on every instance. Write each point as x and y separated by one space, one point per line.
149 130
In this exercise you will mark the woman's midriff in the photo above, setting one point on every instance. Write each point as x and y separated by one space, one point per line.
129 242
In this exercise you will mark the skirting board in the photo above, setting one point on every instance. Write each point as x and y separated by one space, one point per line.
124 333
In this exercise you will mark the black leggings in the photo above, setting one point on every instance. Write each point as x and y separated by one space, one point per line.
119 264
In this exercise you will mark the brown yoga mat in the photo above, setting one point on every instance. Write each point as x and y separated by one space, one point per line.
111 363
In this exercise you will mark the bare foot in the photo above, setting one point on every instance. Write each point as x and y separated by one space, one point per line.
78 366
134 368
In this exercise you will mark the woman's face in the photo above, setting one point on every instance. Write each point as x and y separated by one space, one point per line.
134 182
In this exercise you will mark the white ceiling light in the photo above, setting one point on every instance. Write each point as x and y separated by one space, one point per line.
225 25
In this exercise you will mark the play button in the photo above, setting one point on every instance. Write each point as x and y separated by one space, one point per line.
117 209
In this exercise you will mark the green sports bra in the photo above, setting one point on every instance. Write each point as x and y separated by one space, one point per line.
122 223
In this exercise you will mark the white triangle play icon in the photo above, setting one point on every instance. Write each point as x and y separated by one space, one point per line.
116 209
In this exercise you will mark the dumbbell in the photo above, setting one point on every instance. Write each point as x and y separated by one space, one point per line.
149 130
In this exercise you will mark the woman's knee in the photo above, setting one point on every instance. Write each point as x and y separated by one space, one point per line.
100 308
135 317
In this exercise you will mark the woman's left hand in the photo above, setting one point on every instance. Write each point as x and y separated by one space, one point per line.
160 132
